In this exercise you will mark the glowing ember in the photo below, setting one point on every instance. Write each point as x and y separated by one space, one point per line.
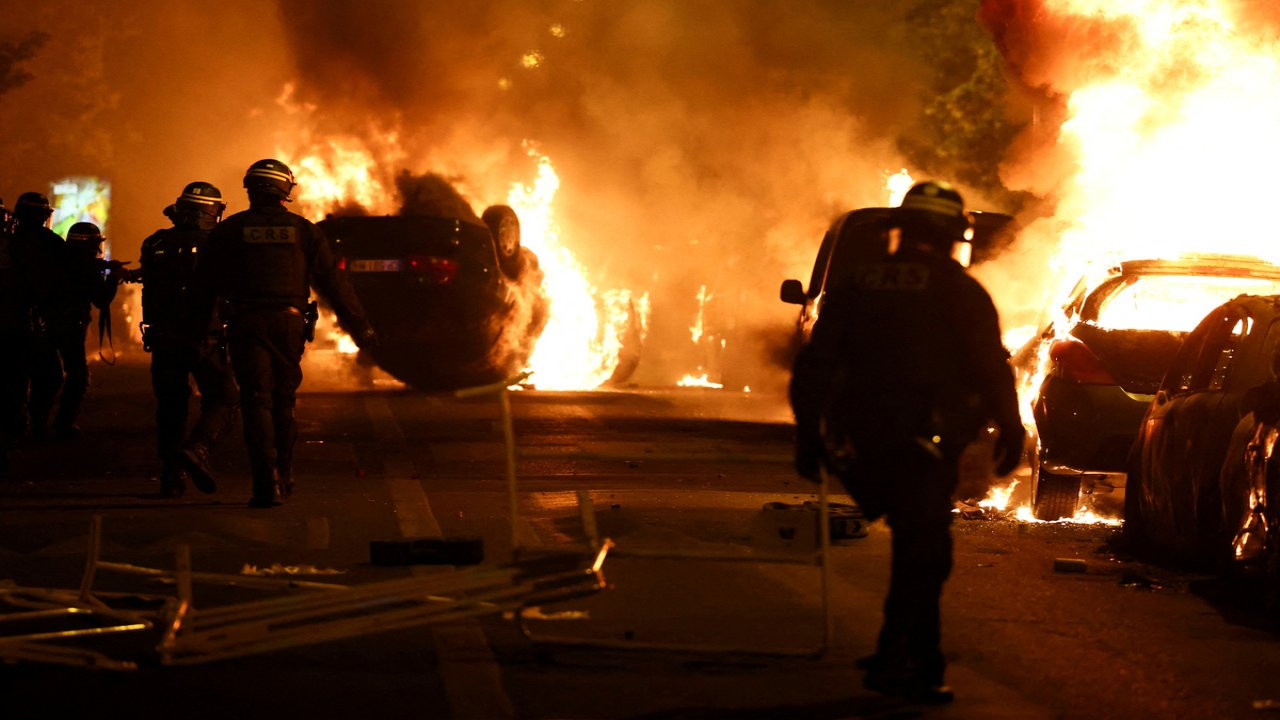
1082 517
699 381
580 346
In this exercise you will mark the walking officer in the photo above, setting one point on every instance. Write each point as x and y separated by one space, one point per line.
905 368
166 270
40 263
262 263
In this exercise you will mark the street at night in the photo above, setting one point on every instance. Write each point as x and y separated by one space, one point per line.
639 359
675 470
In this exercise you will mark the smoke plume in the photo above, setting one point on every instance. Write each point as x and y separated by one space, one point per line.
698 144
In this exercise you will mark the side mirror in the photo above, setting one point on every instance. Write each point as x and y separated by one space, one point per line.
792 292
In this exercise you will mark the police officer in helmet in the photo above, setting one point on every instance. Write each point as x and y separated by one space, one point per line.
39 258
905 368
263 263
167 268
91 282
13 338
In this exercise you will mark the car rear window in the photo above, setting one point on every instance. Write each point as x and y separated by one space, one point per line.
1175 303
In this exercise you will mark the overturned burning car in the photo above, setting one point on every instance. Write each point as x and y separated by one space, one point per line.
1096 368
455 299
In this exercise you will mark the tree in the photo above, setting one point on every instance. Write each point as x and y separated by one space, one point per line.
966 125
13 54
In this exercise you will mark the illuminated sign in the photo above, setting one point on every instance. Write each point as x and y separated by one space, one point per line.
81 199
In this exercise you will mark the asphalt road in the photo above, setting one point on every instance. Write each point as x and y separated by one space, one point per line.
665 469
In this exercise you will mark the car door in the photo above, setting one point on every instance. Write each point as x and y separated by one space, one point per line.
1180 431
1159 450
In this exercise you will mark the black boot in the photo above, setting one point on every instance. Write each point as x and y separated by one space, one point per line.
171 483
195 460
266 492
284 481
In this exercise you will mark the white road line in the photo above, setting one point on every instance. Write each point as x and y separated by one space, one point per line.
472 677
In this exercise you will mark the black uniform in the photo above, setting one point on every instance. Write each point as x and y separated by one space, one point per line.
14 331
90 283
167 268
40 257
262 263
904 369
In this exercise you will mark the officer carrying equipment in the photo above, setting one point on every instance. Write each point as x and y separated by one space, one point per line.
904 369
180 354
263 263
89 281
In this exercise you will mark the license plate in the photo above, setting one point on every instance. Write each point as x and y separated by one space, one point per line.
375 266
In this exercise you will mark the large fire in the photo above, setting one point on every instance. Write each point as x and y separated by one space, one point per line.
1164 149
581 344
580 347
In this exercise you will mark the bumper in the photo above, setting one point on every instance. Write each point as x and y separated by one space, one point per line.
1087 428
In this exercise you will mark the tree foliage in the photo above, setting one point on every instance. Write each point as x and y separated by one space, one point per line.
13 54
965 126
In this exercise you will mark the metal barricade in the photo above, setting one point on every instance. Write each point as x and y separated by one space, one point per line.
819 557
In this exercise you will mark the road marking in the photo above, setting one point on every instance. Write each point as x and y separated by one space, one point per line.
472 677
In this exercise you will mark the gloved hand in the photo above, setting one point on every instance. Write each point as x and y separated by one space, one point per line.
1008 449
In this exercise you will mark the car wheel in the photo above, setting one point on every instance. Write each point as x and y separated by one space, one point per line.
504 225
1056 496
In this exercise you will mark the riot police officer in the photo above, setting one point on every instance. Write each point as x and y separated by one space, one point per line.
91 282
263 263
39 258
166 270
905 368
13 336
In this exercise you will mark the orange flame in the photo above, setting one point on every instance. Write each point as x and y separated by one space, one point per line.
1167 135
579 349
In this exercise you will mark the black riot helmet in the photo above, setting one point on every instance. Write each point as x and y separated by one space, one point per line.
932 213
32 208
270 177
86 238
200 205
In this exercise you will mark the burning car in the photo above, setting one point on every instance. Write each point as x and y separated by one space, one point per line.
456 301
1098 366
863 234
1207 468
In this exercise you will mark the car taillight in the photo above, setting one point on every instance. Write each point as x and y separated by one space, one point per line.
342 262
436 270
1077 363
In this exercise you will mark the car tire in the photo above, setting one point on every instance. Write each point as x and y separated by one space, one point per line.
504 226
1056 496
